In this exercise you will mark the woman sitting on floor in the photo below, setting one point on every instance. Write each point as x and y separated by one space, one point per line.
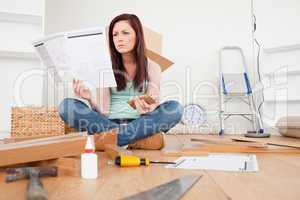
135 76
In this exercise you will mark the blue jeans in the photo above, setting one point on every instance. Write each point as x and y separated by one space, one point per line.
79 116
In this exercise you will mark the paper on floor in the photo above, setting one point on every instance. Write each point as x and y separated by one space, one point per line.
222 162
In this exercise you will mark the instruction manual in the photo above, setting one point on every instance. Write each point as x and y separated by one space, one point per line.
218 161
81 54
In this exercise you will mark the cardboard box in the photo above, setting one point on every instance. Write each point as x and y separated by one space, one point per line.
154 47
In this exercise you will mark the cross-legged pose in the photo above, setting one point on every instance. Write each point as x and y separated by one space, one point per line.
136 76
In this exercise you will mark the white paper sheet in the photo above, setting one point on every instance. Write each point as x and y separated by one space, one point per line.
222 162
79 54
57 51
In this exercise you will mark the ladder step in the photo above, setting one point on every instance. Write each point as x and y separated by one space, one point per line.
237 113
236 95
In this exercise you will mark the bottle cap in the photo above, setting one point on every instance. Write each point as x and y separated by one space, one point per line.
90 144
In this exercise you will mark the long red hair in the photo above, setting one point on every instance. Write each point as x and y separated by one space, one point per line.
139 54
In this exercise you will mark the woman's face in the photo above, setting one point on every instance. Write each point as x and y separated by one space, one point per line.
124 37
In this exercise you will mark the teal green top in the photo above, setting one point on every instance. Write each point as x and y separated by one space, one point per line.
119 108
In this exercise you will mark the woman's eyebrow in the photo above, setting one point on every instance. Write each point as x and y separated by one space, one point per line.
123 30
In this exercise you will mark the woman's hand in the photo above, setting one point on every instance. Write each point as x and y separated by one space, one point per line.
81 90
142 106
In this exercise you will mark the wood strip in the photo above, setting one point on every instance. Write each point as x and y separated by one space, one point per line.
195 149
284 142
18 141
41 149
32 144
215 148
187 152
256 144
68 166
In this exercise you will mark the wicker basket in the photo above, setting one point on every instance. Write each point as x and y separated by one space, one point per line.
36 122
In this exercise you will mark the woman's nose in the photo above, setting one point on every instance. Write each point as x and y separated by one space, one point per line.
120 39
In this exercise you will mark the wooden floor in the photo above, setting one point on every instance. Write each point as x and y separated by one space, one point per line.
278 178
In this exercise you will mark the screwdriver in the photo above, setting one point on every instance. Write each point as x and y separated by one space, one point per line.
134 161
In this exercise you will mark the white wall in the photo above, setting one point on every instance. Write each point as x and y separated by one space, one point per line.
277 22
278 28
193 31
15 40
34 7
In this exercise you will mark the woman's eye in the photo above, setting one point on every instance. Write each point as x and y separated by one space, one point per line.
115 34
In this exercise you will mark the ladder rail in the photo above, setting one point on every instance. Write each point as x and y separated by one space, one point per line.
226 96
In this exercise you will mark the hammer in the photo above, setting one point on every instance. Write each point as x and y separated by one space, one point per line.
35 189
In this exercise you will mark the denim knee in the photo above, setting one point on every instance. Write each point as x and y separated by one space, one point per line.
176 110
64 106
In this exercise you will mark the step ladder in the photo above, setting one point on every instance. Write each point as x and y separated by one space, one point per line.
237 87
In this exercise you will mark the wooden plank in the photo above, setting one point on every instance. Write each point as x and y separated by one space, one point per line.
187 152
20 139
256 144
187 148
42 149
67 166
216 148
283 141
204 151
11 142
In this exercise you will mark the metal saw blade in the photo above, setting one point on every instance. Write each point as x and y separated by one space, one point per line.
172 190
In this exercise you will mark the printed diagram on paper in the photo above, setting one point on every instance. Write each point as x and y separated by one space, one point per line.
79 54
222 162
